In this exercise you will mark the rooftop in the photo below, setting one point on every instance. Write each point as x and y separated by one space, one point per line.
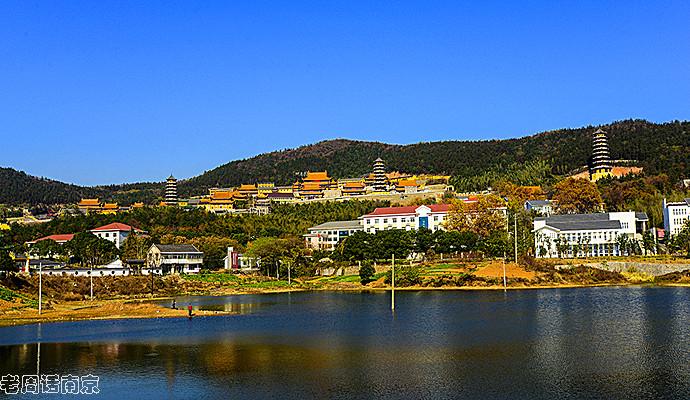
353 224
64 237
435 208
115 226
177 248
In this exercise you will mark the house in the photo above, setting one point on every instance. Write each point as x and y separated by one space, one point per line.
676 215
326 236
586 235
541 207
115 232
408 218
173 259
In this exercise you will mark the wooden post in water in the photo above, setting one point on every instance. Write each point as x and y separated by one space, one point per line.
40 287
393 282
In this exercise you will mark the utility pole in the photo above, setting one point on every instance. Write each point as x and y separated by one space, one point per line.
40 286
393 282
515 237
289 279
91 278
504 273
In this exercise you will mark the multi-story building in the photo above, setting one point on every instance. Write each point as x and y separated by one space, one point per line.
173 259
541 207
327 235
171 191
115 232
600 163
590 235
408 218
676 215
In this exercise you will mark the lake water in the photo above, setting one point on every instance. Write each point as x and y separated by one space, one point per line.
594 343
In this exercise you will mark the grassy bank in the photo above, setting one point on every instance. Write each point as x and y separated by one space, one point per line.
68 298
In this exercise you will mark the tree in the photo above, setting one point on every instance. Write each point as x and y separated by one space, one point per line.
577 196
6 262
135 247
481 217
366 272
88 249
47 248
496 244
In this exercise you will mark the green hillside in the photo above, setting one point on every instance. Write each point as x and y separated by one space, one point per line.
658 148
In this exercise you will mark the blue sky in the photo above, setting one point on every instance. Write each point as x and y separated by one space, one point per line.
99 92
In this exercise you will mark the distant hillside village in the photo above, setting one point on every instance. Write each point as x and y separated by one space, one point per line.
571 224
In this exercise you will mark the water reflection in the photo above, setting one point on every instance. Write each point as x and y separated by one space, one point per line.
581 343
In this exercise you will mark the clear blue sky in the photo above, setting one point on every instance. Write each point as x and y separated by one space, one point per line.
98 92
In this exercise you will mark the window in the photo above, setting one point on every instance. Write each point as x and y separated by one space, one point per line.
395 220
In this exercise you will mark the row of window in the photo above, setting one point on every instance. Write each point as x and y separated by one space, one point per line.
680 221
679 211
394 220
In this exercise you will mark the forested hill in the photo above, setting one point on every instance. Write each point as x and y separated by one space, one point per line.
19 187
659 148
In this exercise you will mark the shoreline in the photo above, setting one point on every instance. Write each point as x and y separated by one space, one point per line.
140 308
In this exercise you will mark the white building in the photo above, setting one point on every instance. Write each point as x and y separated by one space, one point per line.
173 258
236 261
327 235
408 218
676 214
591 235
115 232
541 207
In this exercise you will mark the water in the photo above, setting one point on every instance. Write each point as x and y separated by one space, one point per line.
595 343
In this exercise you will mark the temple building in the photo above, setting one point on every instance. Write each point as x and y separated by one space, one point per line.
171 191
314 184
380 182
89 205
353 188
600 163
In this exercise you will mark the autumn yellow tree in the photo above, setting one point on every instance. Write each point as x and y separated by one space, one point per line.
577 196
481 217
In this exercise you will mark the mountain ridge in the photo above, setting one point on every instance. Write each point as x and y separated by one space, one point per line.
658 147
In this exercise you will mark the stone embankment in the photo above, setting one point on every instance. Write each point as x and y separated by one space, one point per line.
648 268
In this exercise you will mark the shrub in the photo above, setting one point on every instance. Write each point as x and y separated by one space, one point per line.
366 272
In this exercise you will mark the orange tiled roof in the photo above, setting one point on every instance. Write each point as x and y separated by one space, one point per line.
311 186
111 206
89 202
407 182
221 195
353 185
317 176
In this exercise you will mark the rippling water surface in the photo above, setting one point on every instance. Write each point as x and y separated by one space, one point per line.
596 343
